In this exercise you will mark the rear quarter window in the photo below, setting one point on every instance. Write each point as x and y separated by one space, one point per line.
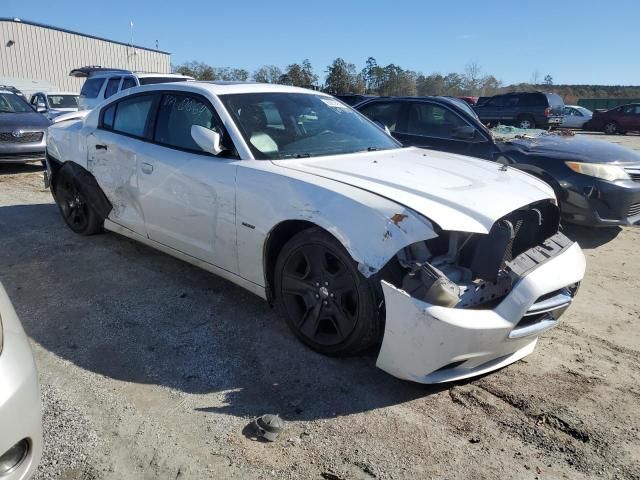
91 87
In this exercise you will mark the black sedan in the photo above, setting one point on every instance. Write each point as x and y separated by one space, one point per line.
596 182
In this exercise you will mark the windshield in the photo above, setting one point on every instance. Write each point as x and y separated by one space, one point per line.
298 125
12 103
63 101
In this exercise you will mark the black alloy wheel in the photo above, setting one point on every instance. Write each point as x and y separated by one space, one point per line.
326 301
74 208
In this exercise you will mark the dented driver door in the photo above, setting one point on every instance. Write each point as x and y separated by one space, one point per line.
187 194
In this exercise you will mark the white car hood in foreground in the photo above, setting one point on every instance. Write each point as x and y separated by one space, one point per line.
458 193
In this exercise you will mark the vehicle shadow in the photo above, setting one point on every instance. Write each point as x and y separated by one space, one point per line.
591 237
122 310
15 168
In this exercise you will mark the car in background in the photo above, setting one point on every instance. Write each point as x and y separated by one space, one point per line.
293 195
623 119
595 182
54 104
353 98
575 116
471 100
522 109
20 411
101 83
22 129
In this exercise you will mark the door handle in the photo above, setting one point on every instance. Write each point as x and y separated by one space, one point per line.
101 147
146 167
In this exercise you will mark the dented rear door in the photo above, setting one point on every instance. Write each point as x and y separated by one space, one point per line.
112 159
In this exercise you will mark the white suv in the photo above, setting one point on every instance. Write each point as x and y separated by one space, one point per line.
101 83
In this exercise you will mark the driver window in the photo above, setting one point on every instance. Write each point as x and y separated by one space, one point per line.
431 120
176 115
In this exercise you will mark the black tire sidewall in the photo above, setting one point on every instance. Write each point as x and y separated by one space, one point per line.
94 224
366 333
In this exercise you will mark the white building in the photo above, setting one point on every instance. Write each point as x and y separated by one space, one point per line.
33 55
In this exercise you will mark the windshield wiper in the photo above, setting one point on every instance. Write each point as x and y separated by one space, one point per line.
302 155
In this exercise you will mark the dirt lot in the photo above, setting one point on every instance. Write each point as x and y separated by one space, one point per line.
151 368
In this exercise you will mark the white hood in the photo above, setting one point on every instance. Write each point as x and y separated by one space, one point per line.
458 193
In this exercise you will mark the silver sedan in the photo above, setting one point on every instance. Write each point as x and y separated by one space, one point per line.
20 417
575 116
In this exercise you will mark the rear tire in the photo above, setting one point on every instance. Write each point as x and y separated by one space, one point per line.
328 304
74 207
526 122
611 128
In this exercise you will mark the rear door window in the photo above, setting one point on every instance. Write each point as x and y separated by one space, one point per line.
131 115
386 112
91 87
112 87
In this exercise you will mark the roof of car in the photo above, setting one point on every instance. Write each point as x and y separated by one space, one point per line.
226 87
56 92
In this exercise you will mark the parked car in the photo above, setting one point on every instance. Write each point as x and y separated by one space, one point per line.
471 100
575 116
353 98
522 109
296 197
101 83
22 130
54 104
20 413
617 120
596 183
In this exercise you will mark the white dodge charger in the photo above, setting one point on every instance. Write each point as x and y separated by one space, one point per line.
451 266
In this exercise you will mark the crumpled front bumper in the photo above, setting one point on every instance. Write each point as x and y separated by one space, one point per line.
431 344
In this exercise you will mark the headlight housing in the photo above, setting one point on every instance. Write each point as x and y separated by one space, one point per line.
599 170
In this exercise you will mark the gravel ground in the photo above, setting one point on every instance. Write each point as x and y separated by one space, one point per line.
151 368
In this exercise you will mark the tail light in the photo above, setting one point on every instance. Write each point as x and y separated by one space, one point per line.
547 111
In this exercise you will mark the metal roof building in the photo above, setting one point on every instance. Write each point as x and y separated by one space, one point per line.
38 53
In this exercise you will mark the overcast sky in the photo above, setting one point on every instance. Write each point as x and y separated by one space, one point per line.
587 42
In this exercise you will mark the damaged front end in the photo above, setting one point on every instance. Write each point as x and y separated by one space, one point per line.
463 304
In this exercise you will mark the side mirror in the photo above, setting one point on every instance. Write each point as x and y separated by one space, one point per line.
207 139
466 132
382 126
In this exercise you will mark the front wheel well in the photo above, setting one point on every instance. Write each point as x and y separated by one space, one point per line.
276 239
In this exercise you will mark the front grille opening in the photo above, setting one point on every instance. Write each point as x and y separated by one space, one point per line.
634 210
27 137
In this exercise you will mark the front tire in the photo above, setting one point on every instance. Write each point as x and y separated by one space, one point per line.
74 207
328 304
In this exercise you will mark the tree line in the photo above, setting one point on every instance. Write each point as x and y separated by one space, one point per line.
343 77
